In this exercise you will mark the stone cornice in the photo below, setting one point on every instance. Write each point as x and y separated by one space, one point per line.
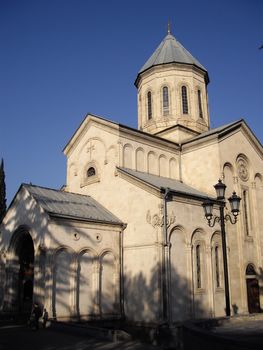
187 67
77 222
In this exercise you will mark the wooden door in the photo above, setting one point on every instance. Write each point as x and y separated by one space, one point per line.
253 295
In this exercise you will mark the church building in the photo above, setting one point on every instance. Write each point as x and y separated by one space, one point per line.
126 237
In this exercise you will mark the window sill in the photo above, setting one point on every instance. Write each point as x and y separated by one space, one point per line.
200 291
89 181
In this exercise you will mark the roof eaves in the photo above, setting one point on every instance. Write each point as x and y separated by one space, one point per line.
166 63
160 189
176 127
121 170
77 218
190 195
13 200
217 131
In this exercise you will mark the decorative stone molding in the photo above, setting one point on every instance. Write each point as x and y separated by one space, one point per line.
235 179
76 236
242 168
87 180
157 220
90 148
98 237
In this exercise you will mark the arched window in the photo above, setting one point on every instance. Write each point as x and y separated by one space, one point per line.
199 96
217 272
184 100
165 101
149 105
91 172
250 271
198 266
246 211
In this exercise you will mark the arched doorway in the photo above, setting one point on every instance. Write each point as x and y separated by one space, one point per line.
22 266
252 290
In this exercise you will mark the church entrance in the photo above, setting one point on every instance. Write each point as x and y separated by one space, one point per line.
252 290
24 271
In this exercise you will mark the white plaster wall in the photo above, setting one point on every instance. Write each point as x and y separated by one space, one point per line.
244 249
201 166
24 211
190 229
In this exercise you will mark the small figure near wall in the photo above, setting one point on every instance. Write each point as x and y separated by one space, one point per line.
45 318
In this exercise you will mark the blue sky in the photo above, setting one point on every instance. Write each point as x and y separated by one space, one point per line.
63 58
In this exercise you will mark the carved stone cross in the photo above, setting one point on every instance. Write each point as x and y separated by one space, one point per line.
90 149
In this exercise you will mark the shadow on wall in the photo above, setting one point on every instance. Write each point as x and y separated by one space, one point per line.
143 298
59 272
82 286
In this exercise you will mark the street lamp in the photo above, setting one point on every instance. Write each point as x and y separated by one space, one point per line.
234 201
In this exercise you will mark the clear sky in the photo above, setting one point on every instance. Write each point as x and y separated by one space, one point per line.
60 59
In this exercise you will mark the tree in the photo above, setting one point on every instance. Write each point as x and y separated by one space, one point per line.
2 192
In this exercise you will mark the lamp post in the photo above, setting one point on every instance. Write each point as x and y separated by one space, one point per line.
234 201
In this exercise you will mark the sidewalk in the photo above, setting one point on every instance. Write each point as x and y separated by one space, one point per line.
244 328
20 337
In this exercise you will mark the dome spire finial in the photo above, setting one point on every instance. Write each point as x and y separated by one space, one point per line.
169 27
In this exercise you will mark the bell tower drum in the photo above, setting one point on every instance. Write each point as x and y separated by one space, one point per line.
172 93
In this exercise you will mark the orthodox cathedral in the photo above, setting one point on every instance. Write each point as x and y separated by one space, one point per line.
126 237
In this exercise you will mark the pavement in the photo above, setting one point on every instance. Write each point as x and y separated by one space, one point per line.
21 337
247 328
246 333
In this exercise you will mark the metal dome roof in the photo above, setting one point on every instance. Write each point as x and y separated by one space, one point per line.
170 51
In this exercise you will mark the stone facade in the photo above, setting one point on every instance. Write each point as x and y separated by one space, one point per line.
160 262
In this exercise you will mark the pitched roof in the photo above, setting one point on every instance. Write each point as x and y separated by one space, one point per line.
70 205
91 116
170 51
160 182
219 131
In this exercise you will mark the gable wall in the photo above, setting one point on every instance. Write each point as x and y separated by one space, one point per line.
132 203
201 166
26 212
242 169
105 148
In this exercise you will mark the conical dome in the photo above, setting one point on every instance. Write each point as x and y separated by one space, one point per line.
172 93
171 51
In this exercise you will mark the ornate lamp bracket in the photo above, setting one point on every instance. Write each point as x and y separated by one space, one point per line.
213 220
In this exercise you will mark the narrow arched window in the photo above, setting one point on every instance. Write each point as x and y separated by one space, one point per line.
199 96
198 266
184 100
217 272
149 105
165 100
250 270
91 172
246 211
